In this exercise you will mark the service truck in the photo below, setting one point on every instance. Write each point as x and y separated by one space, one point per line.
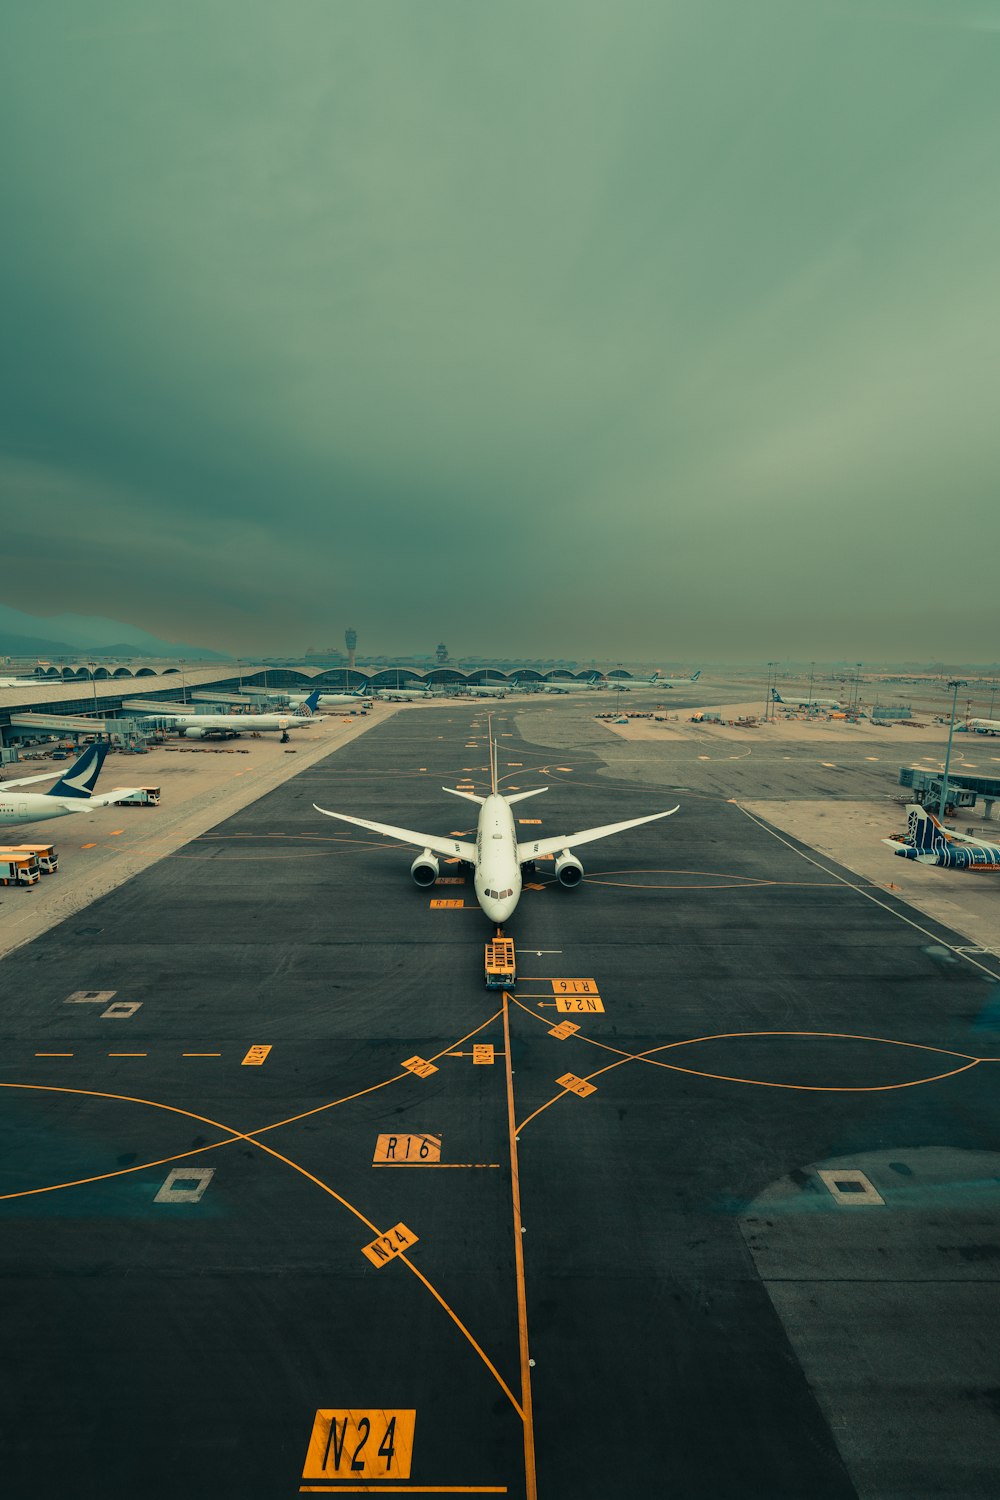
18 869
143 796
45 855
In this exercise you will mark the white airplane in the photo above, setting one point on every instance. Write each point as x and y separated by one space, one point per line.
72 793
404 694
804 702
985 726
657 681
195 726
562 685
496 857
490 689
360 695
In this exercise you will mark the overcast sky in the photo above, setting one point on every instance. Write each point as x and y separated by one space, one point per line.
654 329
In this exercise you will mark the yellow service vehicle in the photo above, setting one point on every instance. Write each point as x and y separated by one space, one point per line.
500 970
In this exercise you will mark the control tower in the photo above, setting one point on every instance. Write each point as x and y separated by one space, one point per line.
350 641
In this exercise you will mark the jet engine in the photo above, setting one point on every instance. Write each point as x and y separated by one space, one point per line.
194 733
424 868
569 871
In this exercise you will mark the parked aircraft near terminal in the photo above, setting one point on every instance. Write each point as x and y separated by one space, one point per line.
804 702
657 681
490 689
564 685
984 726
927 841
496 857
196 726
360 695
404 694
72 793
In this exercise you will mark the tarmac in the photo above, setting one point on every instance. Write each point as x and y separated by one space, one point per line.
708 1205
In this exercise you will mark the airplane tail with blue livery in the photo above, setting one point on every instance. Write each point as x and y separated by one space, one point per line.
928 842
81 778
308 708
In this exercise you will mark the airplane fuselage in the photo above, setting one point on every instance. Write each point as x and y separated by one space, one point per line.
497 871
37 807
954 856
245 723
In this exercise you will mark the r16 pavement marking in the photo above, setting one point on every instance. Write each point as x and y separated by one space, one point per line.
574 1085
407 1148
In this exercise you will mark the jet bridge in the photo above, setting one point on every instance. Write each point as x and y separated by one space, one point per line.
963 790
127 730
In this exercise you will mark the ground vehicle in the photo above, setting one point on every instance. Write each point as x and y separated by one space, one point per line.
18 869
143 796
499 963
45 855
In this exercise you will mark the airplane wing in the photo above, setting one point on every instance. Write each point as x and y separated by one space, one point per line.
537 847
450 848
5 786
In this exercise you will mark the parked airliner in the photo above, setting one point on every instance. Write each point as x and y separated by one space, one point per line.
984 726
927 841
359 695
804 702
72 793
405 694
197 726
498 859
560 685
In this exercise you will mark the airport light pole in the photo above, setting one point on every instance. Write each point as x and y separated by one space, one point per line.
955 684
767 691
857 687
812 674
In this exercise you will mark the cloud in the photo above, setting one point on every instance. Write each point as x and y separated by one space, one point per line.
530 328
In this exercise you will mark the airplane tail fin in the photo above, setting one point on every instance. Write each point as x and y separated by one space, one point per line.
923 829
493 755
308 708
776 696
520 796
696 675
81 778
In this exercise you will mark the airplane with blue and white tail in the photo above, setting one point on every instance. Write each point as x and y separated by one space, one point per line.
559 685
804 702
72 793
497 858
198 726
324 699
656 681
928 842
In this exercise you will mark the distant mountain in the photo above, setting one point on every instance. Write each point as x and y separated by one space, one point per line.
77 635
